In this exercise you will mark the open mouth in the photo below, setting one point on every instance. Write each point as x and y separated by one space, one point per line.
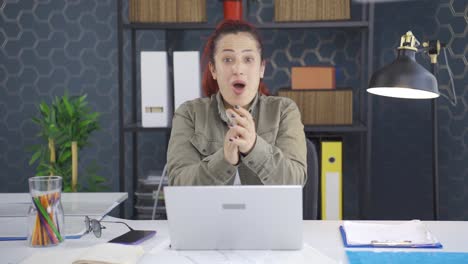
238 86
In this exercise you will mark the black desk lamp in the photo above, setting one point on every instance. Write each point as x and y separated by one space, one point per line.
405 78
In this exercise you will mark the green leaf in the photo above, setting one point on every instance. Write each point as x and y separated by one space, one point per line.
99 179
93 116
68 106
83 97
34 157
36 120
44 108
85 123
65 156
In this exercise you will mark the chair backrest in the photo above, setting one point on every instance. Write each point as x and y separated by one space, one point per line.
310 193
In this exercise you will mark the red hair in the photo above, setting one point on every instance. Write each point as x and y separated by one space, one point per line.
210 85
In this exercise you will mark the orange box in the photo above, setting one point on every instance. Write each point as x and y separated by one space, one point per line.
313 77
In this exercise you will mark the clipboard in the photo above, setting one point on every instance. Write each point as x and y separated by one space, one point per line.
383 244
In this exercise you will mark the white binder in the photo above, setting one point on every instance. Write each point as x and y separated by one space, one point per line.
155 102
187 84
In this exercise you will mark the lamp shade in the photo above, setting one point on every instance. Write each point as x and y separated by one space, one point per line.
404 78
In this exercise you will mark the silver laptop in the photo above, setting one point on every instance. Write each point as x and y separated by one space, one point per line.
234 217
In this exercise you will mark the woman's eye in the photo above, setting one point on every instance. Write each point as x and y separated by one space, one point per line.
249 59
227 59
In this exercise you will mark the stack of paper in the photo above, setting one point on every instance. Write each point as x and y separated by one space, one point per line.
408 234
306 255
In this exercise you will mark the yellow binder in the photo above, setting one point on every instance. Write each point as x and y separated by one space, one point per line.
331 180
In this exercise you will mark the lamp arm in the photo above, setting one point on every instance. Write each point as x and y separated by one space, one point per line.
454 95
432 48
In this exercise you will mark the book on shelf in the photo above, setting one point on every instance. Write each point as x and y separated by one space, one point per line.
146 11
331 180
312 10
191 10
167 11
155 101
187 84
323 107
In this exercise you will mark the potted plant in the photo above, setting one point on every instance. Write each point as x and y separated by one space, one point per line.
65 125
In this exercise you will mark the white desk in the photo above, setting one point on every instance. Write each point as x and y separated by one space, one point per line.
322 236
14 207
93 204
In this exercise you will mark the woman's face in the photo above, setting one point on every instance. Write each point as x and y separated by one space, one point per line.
237 68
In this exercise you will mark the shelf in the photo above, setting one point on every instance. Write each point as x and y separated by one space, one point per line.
142 203
272 25
143 195
354 128
321 24
173 26
139 128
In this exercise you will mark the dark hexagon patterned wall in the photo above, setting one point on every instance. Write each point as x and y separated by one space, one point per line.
402 134
49 46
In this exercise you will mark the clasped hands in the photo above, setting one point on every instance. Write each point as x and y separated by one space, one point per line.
241 136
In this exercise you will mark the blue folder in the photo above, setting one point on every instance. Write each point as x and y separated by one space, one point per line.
384 245
405 257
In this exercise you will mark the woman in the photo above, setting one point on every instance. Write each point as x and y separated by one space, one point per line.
237 135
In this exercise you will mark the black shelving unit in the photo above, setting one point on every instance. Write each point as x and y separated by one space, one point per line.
362 125
282 25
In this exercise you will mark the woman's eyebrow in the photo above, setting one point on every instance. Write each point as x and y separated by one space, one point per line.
231 50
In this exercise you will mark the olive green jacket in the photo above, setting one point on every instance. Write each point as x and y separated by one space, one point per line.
195 153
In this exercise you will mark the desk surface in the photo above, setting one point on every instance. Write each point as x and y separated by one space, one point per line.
319 236
14 207
74 204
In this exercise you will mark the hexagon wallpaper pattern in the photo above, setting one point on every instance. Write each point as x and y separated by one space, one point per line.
402 129
47 47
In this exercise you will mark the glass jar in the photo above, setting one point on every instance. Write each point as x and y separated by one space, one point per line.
45 217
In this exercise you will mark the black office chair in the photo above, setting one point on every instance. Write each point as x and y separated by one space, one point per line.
310 192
